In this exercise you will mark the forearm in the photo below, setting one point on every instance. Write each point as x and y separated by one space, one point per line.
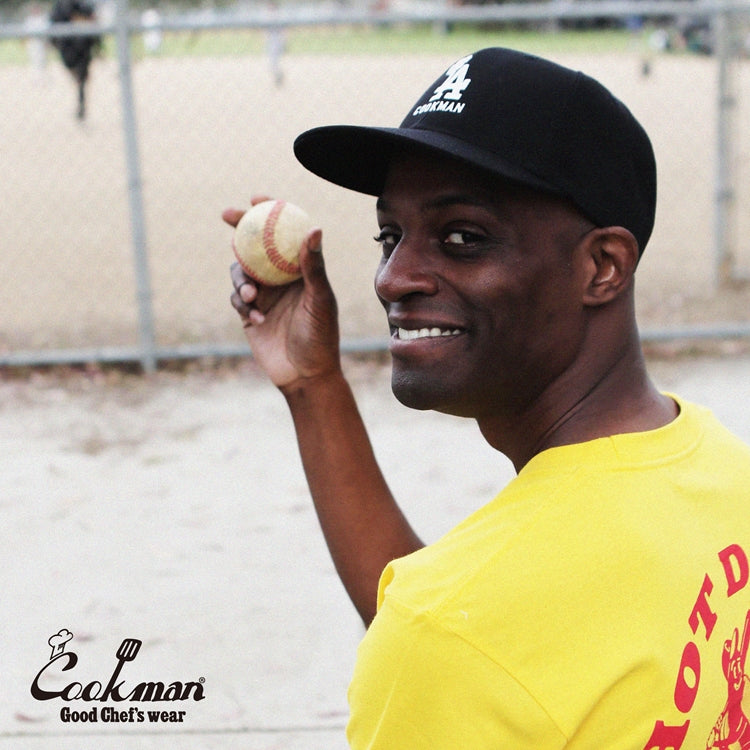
362 524
293 332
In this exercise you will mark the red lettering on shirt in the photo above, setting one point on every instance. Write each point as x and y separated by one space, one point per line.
688 678
732 728
701 610
666 737
734 560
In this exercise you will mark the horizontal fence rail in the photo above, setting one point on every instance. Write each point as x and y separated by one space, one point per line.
432 13
148 350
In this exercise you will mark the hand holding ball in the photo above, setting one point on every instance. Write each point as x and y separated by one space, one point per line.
267 242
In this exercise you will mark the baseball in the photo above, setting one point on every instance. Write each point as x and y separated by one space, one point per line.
267 242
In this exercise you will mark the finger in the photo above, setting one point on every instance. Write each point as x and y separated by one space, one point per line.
248 292
245 290
243 283
250 315
247 311
232 216
239 305
311 259
256 317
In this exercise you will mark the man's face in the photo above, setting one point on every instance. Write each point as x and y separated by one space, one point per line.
482 286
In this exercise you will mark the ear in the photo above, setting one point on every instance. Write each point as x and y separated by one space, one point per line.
612 256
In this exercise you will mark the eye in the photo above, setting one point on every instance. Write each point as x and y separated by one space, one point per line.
458 238
387 239
461 240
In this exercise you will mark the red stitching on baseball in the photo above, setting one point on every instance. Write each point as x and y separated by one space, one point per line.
269 242
248 271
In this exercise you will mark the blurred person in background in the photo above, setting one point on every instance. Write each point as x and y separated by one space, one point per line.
152 34
76 52
275 46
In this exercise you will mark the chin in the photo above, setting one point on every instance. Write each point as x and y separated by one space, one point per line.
423 395
412 400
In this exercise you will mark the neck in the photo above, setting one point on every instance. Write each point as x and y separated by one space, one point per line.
592 399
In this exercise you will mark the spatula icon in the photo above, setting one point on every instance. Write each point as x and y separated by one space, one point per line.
127 652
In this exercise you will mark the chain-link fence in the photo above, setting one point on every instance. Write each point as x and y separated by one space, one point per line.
112 241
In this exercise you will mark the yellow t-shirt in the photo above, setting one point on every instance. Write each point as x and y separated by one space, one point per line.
599 601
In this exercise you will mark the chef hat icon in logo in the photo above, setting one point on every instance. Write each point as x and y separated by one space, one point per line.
58 641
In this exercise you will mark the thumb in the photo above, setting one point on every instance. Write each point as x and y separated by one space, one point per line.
311 261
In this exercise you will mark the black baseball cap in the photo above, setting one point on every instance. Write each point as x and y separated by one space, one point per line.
518 116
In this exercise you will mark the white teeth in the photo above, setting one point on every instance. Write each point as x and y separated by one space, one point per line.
406 334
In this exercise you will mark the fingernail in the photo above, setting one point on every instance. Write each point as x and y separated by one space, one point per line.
247 292
315 242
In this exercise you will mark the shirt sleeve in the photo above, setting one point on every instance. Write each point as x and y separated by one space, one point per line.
418 686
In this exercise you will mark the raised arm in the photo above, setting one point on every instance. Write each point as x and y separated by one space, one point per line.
293 333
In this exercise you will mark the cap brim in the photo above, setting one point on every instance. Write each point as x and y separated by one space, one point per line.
358 157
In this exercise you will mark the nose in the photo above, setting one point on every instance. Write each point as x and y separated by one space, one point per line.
407 270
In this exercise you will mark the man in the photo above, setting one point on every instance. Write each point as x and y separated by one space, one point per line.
596 602
76 52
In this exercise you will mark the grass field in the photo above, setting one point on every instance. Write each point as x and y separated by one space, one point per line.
423 39
359 40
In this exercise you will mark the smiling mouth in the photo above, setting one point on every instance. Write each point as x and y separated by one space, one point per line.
411 334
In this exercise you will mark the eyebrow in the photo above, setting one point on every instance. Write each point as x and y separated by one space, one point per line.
443 201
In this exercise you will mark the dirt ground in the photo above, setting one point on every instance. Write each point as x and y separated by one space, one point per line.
173 510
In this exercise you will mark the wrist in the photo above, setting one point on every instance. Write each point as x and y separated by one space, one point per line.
305 388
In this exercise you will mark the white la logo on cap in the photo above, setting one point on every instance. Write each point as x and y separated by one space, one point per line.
455 82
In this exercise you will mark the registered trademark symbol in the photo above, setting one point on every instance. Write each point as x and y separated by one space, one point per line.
201 680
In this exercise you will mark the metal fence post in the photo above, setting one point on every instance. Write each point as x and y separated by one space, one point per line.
135 196
724 207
